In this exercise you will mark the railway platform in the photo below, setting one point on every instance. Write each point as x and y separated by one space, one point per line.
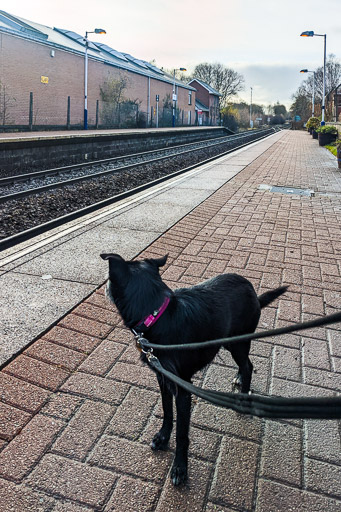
61 134
78 409
51 149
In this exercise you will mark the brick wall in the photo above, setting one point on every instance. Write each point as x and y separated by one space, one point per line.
24 62
201 94
51 152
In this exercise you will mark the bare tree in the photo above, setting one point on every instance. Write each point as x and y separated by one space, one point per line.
112 90
333 79
6 102
225 80
279 110
301 105
114 104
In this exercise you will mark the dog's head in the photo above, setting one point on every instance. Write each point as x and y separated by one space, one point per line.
131 280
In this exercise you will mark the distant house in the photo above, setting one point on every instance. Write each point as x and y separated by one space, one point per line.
207 103
333 104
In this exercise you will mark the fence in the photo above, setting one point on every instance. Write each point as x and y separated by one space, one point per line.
37 112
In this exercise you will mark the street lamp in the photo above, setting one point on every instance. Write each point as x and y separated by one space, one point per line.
174 95
251 124
311 33
96 31
308 71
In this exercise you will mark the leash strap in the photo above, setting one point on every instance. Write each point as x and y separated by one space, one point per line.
329 319
256 405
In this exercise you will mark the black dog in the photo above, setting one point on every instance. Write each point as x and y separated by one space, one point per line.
224 306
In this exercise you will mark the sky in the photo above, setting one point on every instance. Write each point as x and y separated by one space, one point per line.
258 38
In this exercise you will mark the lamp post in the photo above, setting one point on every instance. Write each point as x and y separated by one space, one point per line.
251 124
313 101
96 31
311 33
174 95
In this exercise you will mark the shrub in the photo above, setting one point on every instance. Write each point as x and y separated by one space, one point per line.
313 122
327 129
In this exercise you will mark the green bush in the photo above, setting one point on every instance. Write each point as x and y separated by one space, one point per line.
313 122
327 129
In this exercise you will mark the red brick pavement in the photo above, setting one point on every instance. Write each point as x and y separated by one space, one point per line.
78 409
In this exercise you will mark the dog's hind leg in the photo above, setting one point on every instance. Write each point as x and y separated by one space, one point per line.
161 439
240 354
183 414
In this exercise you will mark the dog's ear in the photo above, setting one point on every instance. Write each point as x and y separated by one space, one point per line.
111 256
159 262
117 265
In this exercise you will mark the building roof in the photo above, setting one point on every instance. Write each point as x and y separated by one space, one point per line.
71 41
201 106
206 86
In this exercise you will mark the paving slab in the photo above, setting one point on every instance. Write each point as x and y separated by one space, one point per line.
79 261
81 427
38 302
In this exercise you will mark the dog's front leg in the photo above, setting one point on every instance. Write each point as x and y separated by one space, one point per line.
161 439
183 414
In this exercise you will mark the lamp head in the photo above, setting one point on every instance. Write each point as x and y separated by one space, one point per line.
304 71
307 33
99 31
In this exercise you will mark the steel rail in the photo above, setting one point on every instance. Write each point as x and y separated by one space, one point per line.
58 184
23 236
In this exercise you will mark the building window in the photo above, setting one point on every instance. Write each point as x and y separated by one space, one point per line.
189 97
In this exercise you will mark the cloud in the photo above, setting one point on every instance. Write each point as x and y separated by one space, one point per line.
270 83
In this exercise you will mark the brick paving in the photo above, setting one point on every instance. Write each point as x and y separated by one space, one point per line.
78 409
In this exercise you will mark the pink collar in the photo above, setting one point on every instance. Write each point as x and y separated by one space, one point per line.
152 318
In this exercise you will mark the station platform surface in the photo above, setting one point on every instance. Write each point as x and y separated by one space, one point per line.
62 134
78 409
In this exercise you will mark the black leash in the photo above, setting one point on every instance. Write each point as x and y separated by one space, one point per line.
225 342
254 405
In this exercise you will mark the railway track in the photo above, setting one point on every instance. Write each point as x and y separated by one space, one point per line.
13 187
33 210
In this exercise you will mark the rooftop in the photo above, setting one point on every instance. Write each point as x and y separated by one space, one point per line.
210 89
73 42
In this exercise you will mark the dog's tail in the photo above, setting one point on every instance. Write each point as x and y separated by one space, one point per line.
266 298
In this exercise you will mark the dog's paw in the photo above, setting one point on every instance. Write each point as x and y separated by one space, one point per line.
178 474
159 442
237 384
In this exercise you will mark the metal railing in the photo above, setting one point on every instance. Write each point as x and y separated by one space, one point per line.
40 112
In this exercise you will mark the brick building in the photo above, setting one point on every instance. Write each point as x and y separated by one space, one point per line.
42 82
207 98
333 104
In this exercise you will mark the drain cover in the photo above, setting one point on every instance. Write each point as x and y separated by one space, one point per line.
288 190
